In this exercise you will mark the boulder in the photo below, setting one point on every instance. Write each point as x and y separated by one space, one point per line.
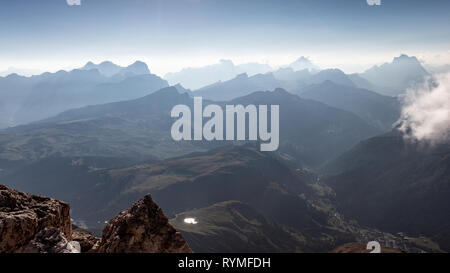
86 239
51 240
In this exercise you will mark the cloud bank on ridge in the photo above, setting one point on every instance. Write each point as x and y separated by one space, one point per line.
426 112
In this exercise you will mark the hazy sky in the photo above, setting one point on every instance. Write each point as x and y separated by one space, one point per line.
169 35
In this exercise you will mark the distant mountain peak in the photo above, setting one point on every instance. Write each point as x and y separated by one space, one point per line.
109 69
107 63
401 59
13 75
182 90
106 68
335 71
138 67
303 63
397 75
138 63
196 78
166 92
303 59
281 91
404 57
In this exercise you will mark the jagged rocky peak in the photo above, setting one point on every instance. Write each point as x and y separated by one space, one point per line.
23 216
143 228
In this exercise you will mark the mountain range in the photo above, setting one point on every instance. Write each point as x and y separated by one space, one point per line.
396 77
235 194
285 78
110 69
312 132
99 138
197 77
28 99
389 79
303 63
377 110
395 185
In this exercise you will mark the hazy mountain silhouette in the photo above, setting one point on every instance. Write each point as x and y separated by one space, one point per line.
137 128
310 131
27 99
109 69
285 78
239 86
20 71
197 77
394 185
182 90
395 77
334 75
303 63
364 83
288 74
377 110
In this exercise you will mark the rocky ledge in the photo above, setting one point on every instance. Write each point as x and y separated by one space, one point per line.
23 216
38 224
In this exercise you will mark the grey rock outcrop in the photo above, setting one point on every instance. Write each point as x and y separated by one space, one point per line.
51 240
86 239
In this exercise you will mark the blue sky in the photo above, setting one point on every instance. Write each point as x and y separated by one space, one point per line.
169 34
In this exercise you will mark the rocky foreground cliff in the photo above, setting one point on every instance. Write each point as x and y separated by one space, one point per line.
37 224
23 216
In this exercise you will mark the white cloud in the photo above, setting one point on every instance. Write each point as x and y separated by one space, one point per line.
426 113
373 2
73 2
